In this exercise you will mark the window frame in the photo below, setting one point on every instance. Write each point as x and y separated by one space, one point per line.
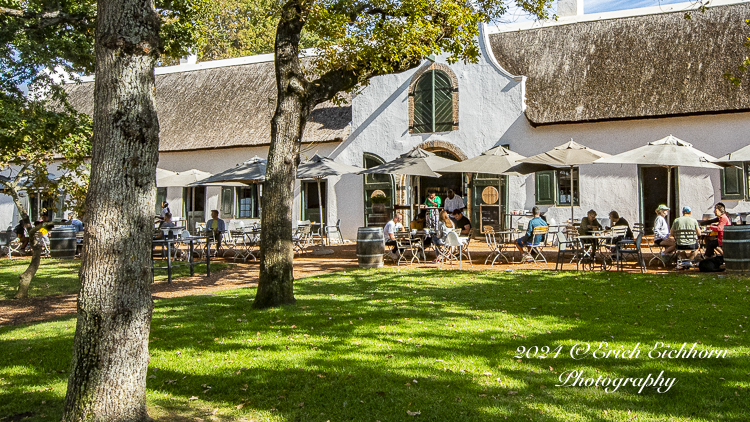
740 182
446 90
553 190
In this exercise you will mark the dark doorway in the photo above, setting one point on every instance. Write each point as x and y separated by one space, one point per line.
653 181
440 185
194 202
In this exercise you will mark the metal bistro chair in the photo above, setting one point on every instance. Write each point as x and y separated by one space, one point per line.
334 230
496 249
565 247
633 248
452 242
464 251
302 238
685 237
535 248
404 246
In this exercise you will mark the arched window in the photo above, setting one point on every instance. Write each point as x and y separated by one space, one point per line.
433 103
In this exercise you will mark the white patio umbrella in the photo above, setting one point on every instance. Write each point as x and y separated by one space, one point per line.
569 154
161 174
416 162
318 168
248 172
498 160
739 156
669 152
183 178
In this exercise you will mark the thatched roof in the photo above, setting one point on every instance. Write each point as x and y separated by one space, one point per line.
632 67
225 106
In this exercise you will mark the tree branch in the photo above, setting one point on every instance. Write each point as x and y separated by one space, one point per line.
44 19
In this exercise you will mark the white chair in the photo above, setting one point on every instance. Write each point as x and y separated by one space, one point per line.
452 242
330 230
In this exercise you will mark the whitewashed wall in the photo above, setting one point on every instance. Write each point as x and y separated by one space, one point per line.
491 113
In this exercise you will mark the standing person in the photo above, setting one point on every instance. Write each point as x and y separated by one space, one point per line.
661 230
689 245
462 223
215 227
73 221
389 234
453 202
432 201
164 209
723 220
535 222
589 224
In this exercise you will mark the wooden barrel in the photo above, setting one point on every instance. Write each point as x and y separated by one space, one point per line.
62 242
736 246
370 247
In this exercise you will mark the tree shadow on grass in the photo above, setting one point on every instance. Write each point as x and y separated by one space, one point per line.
344 352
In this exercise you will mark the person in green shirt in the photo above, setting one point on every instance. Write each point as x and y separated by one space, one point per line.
433 201
683 242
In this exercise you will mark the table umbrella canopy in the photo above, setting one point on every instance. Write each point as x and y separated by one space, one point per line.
568 154
416 162
497 160
161 174
739 156
183 178
318 167
666 152
251 171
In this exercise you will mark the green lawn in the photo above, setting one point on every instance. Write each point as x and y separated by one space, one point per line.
376 345
60 276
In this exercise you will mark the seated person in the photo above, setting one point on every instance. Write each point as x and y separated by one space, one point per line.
21 230
723 220
461 221
589 224
164 210
661 231
688 244
445 226
616 220
73 221
526 240
389 234
43 232
215 227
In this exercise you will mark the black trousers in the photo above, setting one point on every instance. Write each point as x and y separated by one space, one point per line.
711 246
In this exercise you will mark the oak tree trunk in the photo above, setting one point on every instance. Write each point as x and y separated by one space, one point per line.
24 280
107 379
275 286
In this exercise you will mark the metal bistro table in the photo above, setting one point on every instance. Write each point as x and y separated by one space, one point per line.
168 244
594 247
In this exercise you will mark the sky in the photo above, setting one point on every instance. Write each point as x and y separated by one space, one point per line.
595 6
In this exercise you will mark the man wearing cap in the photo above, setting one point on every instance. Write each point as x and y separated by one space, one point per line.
689 244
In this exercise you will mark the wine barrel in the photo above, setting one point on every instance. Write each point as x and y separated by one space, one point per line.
736 246
370 247
62 242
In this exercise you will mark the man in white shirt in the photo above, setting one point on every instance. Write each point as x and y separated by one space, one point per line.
453 202
389 233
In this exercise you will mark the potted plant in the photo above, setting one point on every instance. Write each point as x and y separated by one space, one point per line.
379 199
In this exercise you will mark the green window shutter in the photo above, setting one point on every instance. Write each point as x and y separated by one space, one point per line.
443 103
545 187
161 196
423 104
227 201
732 183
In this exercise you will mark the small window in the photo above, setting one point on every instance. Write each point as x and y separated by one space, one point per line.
557 187
732 183
248 202
433 103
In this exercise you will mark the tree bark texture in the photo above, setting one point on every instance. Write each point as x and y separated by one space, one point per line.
275 285
107 379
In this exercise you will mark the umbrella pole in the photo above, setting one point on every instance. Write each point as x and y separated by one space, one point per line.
572 191
669 186
320 211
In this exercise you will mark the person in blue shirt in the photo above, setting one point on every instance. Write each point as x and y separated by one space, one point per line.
73 221
537 221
